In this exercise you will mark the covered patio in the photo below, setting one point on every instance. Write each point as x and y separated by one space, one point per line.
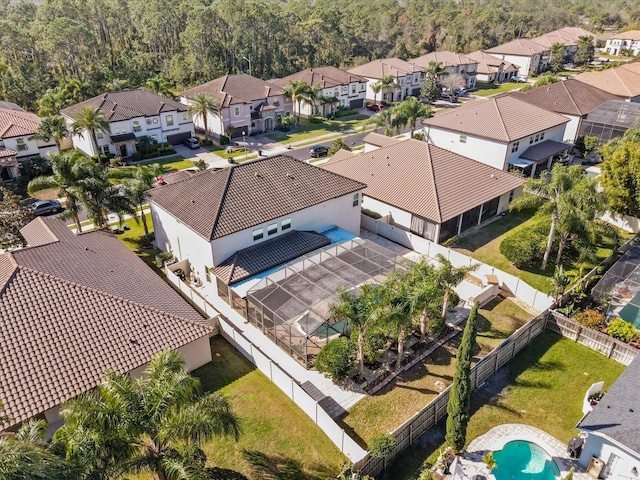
541 156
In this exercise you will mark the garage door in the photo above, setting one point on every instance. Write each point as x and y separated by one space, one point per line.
238 131
178 138
355 104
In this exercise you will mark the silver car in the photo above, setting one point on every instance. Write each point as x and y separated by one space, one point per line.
44 207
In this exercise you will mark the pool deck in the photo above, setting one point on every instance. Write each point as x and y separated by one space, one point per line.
496 438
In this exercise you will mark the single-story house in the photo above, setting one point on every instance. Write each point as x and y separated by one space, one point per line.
453 63
74 306
629 40
132 114
491 68
622 81
247 105
503 132
531 57
408 78
430 191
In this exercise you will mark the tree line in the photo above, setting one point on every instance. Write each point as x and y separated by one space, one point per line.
106 45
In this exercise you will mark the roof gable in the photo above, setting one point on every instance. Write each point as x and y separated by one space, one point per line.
234 89
16 123
385 67
323 77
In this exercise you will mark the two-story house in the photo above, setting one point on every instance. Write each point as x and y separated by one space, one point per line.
453 63
247 104
622 81
335 88
408 78
132 114
234 223
504 132
531 57
491 68
16 129
567 36
626 42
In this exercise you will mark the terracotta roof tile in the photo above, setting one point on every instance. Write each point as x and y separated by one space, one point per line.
324 77
379 140
448 59
488 63
518 47
622 81
628 35
234 89
385 67
15 123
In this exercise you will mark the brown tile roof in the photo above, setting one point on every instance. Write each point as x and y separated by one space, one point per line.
7 152
37 233
385 67
448 59
440 186
235 89
127 104
15 123
215 204
545 149
488 63
258 258
323 77
11 106
519 47
566 36
622 81
379 140
503 118
59 336
570 97
628 35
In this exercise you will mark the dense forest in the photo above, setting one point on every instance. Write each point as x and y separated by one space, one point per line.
111 44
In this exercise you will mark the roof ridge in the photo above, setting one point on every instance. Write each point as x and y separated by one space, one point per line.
435 184
499 111
615 72
575 104
15 265
229 171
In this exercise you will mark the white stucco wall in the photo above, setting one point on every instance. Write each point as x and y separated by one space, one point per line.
34 147
399 216
482 150
602 447
556 133
196 353
572 128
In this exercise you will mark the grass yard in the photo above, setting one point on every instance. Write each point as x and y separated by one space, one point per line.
543 387
309 130
488 89
174 162
132 237
414 389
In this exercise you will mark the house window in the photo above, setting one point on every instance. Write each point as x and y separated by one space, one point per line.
21 145
353 89
258 233
530 140
99 135
169 119
136 126
511 194
345 89
285 224
104 149
154 137
155 121
515 147
537 137
356 199
463 139
116 130
542 136
363 87
207 273
336 92
272 229
236 111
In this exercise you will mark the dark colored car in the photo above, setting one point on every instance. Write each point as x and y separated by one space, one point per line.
192 143
375 107
319 151
43 207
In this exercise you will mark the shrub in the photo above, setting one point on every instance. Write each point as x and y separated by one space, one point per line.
523 247
345 113
317 119
371 213
34 167
336 358
622 330
382 445
146 240
436 323
201 164
224 140
418 136
590 319
162 257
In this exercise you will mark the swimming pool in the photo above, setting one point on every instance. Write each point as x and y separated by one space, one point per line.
521 460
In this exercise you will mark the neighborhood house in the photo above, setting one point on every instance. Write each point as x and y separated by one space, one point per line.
408 79
453 63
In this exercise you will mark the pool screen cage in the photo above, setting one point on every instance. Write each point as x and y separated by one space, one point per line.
292 306
611 120
620 287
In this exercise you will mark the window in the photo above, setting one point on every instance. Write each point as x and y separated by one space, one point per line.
155 121
169 119
154 137
116 130
463 139
356 199
530 140
336 92
207 273
99 135
511 194
236 111
363 87
272 229
258 233
285 224
542 136
21 145
515 147
136 126
345 89
104 149
353 89
537 137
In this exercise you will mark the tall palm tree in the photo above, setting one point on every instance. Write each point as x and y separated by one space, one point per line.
159 85
298 91
202 105
136 191
376 87
387 83
117 84
70 169
411 109
557 57
423 293
158 420
90 119
449 277
52 128
396 314
387 119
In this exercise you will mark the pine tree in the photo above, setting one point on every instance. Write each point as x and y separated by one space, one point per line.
459 406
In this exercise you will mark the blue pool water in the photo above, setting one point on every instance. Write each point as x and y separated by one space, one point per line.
522 460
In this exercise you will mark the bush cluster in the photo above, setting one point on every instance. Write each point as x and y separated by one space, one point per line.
526 246
622 330
336 358
590 319
371 213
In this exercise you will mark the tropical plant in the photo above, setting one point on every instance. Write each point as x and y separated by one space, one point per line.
335 359
559 283
459 406
489 461
431 88
159 85
387 83
585 51
449 277
90 119
556 64
52 128
622 330
410 110
396 313
300 92
376 87
382 445
339 144
424 294
621 173
201 106
590 319
569 475
387 119
154 423
117 85
523 247
545 80
201 164
12 218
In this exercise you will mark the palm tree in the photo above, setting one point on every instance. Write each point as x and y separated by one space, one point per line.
359 311
202 105
158 421
387 119
387 83
449 277
424 291
557 57
70 169
396 313
376 87
298 91
136 191
116 85
411 109
159 85
52 128
90 119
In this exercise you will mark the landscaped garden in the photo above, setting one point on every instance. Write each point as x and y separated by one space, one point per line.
308 129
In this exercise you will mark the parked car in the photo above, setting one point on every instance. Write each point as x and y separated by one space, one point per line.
318 151
375 107
519 79
44 207
449 97
460 91
192 143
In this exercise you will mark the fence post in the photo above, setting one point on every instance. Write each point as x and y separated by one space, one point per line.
578 333
613 347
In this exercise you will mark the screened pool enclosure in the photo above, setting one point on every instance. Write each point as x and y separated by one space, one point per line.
611 120
292 305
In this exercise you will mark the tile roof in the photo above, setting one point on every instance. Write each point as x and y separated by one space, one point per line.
235 89
385 67
544 149
11 106
617 416
15 123
219 203
441 186
127 104
7 152
570 97
60 335
379 140
566 36
633 35
520 47
37 233
503 118
261 257
622 81
324 77
488 63
448 59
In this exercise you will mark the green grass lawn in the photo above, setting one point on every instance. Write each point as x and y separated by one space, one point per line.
174 162
488 89
543 387
309 130
414 389
131 238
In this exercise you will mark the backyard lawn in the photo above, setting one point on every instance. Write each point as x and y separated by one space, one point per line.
543 387
174 162
132 237
309 130
488 89
414 389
